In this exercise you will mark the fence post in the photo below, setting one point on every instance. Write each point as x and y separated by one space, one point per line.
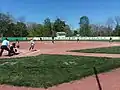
97 78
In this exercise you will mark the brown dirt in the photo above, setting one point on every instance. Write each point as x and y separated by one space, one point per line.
109 81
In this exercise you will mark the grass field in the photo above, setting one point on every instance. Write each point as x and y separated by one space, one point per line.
107 50
48 70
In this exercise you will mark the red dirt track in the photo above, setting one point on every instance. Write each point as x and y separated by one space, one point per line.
109 81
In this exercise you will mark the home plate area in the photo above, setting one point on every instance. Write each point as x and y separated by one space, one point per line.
19 53
24 53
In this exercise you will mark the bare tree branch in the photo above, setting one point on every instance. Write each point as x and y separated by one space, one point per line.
117 20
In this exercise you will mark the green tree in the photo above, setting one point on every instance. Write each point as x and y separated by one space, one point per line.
32 29
75 32
5 20
47 27
110 22
35 29
59 25
117 30
85 29
39 30
68 30
20 30
11 28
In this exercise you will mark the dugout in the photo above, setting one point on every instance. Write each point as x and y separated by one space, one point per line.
61 34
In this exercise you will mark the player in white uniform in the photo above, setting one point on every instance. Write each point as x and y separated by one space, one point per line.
5 46
17 43
32 44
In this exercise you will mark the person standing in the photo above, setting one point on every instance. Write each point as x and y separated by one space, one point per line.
53 39
17 43
78 40
40 39
110 40
32 44
5 46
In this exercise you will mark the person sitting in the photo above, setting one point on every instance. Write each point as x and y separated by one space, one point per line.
13 49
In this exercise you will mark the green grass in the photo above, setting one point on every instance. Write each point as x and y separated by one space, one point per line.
48 70
107 50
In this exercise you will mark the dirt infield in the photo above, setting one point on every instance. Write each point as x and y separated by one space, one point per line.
109 81
61 47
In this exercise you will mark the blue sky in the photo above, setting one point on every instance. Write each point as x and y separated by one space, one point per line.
98 11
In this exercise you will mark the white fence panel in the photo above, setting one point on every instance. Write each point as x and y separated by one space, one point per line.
75 38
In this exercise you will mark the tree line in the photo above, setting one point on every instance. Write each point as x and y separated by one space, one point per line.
111 28
10 27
